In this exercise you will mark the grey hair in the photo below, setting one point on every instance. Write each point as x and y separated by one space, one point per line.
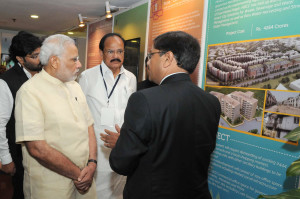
54 45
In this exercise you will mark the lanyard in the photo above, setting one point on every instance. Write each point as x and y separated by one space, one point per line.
113 88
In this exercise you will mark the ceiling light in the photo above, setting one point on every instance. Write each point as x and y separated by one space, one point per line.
107 7
81 23
71 33
108 15
83 20
107 10
34 16
80 18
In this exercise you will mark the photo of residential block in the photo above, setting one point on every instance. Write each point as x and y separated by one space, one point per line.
268 64
283 102
277 126
241 108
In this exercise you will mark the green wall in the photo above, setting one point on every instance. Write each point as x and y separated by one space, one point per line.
133 24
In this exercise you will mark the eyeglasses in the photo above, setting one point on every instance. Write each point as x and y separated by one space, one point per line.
149 55
112 52
34 56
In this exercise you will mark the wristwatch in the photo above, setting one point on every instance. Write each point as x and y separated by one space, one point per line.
92 160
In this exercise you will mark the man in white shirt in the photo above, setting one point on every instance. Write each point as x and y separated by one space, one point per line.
107 88
24 51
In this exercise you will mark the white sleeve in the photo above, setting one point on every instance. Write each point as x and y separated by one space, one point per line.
83 83
6 104
133 83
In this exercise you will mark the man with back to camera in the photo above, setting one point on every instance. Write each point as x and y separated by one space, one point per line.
107 88
24 51
169 131
55 127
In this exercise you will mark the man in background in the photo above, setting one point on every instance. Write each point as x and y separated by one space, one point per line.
55 127
107 88
169 131
24 51
146 83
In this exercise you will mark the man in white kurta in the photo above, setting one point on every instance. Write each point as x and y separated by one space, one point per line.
54 126
108 110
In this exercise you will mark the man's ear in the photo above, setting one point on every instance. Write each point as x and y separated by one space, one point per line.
168 59
20 60
101 53
54 62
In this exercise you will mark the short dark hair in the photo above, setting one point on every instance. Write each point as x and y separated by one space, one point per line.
184 46
22 44
101 44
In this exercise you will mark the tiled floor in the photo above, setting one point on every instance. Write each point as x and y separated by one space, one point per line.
5 186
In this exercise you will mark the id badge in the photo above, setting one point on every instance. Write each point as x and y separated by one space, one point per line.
107 116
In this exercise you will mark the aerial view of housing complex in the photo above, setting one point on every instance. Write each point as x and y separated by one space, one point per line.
257 83
237 103
241 108
269 64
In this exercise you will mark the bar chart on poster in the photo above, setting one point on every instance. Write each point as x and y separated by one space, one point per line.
252 65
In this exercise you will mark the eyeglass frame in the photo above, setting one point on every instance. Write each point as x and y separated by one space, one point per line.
34 56
149 55
111 52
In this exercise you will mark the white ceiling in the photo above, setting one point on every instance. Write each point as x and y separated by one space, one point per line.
54 15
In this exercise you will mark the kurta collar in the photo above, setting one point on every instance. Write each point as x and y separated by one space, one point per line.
50 78
106 70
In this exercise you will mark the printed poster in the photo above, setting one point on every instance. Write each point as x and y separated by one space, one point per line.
252 65
174 15
95 33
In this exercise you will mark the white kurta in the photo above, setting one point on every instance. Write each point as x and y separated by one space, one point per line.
48 109
109 185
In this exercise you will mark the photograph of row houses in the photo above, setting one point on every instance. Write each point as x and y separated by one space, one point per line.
241 109
277 126
268 64
283 102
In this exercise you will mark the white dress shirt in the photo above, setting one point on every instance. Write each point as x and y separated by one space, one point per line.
6 104
109 185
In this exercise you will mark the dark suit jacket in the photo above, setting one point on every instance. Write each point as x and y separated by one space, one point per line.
145 84
166 141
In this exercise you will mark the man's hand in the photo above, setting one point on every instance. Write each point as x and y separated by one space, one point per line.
110 139
85 180
9 168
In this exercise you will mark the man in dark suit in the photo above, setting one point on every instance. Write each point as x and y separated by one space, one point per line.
24 51
169 130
